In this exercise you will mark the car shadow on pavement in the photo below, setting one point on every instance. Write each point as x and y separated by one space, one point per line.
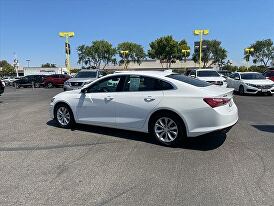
204 143
265 128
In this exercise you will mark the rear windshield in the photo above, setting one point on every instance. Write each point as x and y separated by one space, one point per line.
207 74
89 74
189 80
252 76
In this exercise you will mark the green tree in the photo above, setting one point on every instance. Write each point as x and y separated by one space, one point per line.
135 53
214 53
7 69
166 49
98 55
48 65
263 52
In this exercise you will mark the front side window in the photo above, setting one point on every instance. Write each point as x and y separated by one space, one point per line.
237 76
142 83
110 84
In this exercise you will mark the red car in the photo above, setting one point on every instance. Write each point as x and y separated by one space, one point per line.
55 80
269 75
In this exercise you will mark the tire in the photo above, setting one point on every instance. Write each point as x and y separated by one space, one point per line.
36 85
49 85
172 127
64 116
242 90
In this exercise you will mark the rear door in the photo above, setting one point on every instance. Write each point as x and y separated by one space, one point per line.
135 103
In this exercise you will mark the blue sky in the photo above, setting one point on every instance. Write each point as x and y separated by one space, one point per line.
30 27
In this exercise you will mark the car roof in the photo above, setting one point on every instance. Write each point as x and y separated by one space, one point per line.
248 72
206 70
88 70
149 73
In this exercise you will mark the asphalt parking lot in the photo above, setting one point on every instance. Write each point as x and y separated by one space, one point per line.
42 164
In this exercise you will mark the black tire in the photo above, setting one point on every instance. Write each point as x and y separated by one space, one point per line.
36 85
181 134
50 85
60 123
242 90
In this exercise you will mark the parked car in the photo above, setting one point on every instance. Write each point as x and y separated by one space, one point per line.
2 87
208 75
269 75
224 73
28 81
9 80
55 80
168 105
82 78
250 83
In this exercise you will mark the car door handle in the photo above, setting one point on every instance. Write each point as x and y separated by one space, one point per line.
149 99
108 98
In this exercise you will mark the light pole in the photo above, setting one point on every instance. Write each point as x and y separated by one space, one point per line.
124 53
67 35
200 32
248 51
28 60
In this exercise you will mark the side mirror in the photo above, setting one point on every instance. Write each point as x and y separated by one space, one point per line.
100 75
237 78
84 90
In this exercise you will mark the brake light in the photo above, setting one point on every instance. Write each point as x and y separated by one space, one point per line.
216 102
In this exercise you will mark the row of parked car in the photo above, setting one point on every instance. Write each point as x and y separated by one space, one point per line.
242 82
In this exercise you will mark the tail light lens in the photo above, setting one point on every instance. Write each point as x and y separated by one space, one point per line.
216 102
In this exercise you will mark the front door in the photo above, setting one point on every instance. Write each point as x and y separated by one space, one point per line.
98 105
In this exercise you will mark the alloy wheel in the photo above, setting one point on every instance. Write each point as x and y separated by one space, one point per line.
63 116
166 129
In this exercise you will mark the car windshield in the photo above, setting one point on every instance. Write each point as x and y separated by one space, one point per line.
252 76
207 74
88 74
189 80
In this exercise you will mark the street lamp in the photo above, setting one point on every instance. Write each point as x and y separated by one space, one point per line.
28 60
248 51
67 35
124 53
200 32
185 52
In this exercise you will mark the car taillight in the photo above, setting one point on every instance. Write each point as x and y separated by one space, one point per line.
216 102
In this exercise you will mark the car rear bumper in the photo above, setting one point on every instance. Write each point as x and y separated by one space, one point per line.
211 120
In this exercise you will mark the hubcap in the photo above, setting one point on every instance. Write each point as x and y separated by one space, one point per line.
166 129
63 116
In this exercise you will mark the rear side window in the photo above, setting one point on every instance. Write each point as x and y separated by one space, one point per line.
142 83
189 80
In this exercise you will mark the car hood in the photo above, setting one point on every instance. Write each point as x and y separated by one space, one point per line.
81 79
211 78
258 81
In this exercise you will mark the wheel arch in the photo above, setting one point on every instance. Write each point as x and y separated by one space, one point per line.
60 103
167 110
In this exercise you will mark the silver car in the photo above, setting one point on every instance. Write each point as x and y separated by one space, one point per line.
82 78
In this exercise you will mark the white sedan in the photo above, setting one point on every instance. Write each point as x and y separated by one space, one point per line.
168 105
250 83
